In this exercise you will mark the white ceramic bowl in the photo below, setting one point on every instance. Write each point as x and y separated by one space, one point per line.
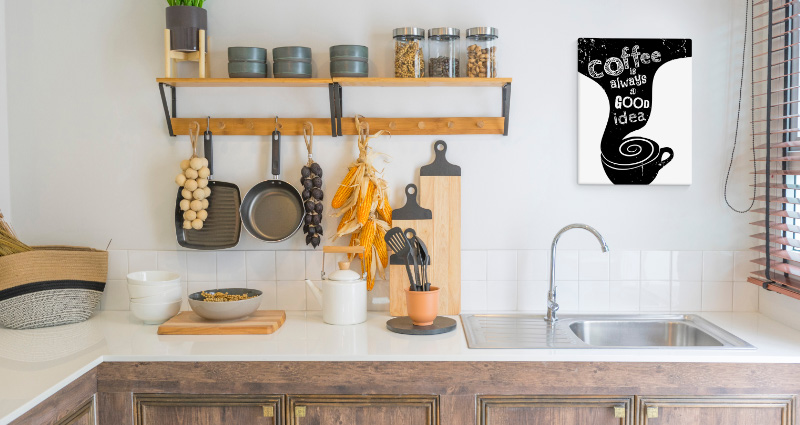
227 310
166 293
155 314
158 299
156 278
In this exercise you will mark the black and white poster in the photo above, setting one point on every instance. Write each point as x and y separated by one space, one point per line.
635 111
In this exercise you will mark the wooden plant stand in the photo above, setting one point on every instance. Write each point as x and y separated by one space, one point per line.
200 56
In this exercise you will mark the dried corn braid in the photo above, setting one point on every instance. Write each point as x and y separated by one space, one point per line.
380 247
345 189
366 266
385 211
365 203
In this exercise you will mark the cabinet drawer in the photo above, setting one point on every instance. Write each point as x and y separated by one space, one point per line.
739 410
363 409
204 409
554 410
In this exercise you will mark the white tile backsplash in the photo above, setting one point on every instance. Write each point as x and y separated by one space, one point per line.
593 265
115 296
502 265
588 281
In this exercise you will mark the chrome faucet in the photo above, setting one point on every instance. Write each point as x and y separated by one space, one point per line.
552 305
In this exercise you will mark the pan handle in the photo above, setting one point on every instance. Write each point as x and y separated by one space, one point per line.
276 154
208 149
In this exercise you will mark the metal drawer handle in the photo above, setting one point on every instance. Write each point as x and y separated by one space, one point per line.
619 412
269 411
652 412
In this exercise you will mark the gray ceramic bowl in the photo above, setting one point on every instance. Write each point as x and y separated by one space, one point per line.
247 70
291 69
293 53
227 310
349 51
247 54
348 68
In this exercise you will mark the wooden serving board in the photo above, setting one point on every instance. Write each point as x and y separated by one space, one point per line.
440 190
261 322
411 215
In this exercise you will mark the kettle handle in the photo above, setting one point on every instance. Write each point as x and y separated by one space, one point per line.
339 250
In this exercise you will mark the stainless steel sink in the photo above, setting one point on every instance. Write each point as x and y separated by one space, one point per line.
597 331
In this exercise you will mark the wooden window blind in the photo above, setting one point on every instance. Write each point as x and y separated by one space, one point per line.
776 129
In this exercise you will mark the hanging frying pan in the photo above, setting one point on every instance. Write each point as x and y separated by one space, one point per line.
223 227
273 209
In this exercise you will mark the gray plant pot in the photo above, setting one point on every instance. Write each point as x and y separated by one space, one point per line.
184 24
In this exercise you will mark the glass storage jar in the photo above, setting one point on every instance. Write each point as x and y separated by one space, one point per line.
482 52
444 49
409 52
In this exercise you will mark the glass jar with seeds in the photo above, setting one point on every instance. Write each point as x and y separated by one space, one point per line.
409 52
482 52
444 50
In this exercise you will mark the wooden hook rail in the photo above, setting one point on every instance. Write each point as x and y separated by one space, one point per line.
322 126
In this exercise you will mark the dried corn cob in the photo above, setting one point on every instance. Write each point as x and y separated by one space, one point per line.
367 235
345 189
365 203
366 266
380 247
385 211
347 217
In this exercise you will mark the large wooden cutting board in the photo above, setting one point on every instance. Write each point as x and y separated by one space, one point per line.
261 322
411 215
440 190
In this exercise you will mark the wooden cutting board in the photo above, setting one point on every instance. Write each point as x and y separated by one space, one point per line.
440 190
411 215
261 322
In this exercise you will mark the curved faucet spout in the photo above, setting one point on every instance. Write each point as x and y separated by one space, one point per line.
552 305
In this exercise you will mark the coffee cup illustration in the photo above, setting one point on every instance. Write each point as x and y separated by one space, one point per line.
637 161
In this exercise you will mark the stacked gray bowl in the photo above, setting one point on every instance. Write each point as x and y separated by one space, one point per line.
291 62
247 62
349 60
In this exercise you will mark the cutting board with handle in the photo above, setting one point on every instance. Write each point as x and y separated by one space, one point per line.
440 190
411 215
261 322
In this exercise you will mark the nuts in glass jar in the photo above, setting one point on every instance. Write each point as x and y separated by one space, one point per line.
440 67
481 62
409 61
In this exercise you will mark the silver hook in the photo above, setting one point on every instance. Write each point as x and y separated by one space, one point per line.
208 123
276 123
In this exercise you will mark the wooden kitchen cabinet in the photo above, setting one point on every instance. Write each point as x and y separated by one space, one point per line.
555 410
84 415
716 410
189 409
363 409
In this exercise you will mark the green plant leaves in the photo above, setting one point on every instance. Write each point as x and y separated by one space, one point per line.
196 3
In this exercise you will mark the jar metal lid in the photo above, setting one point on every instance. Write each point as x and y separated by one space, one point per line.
408 31
444 32
482 31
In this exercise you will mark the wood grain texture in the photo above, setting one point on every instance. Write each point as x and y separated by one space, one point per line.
114 408
422 82
246 82
363 409
718 410
429 125
83 415
192 409
63 404
442 195
252 126
554 410
262 322
398 277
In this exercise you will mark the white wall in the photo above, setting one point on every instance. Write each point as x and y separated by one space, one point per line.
91 160
5 174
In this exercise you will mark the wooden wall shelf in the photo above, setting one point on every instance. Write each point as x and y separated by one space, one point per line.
334 126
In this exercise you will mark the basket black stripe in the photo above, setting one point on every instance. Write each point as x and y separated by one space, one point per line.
51 285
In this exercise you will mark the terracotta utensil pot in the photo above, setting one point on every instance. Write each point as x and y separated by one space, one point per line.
423 306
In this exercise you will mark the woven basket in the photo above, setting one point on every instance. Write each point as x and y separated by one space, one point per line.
51 285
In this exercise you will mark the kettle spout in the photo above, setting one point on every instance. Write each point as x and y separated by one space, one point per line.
314 290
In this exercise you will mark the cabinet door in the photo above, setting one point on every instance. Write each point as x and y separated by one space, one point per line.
713 410
84 415
363 409
554 410
192 409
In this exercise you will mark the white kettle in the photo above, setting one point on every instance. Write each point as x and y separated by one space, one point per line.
344 293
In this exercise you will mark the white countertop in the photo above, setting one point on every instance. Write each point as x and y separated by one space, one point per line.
34 364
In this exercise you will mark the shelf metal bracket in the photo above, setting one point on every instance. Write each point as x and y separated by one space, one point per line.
333 101
506 106
338 108
167 113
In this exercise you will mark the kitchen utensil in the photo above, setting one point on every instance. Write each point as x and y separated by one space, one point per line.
226 310
247 70
273 209
421 220
425 261
291 62
404 325
413 258
440 190
155 314
261 322
423 306
399 244
223 226
344 293
247 54
349 60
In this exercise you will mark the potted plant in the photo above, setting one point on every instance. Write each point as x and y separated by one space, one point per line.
184 20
